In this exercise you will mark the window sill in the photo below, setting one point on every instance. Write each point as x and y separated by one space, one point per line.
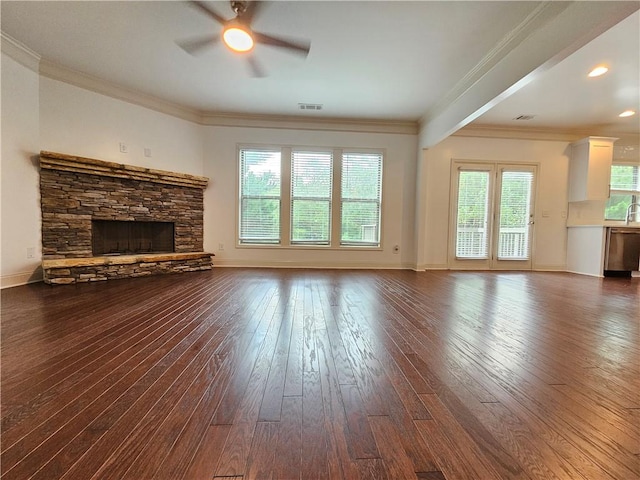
258 246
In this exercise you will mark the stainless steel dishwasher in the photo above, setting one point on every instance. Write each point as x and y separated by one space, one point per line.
623 251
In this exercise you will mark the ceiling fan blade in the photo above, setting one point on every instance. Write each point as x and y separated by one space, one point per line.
256 69
194 45
208 11
298 46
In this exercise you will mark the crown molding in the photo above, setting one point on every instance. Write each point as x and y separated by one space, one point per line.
519 133
94 84
300 122
19 52
548 134
55 71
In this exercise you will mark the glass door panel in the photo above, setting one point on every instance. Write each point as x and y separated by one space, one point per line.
515 218
471 216
472 236
492 216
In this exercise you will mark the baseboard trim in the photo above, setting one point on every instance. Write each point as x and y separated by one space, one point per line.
320 265
585 274
549 268
435 266
23 278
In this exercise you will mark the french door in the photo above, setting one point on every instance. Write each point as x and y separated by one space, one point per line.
492 216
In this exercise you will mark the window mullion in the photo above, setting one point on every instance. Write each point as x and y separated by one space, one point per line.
336 201
285 198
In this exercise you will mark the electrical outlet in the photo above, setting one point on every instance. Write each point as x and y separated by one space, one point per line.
396 248
147 152
124 148
221 247
31 252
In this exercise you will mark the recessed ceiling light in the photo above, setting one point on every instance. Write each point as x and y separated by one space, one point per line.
627 113
600 70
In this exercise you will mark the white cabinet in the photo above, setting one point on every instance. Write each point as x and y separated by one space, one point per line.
590 169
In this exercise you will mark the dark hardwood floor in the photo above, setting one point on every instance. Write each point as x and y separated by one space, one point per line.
312 374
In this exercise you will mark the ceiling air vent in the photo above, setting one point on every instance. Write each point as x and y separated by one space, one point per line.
310 106
524 117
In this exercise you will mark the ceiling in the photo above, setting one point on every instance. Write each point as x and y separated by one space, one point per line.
371 60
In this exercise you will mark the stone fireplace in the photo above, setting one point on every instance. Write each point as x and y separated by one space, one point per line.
103 220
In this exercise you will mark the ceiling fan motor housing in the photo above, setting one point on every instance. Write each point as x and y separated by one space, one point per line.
238 7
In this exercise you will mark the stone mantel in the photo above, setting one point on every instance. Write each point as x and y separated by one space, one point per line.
91 166
93 269
121 259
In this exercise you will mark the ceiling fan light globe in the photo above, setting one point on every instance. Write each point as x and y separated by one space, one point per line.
238 38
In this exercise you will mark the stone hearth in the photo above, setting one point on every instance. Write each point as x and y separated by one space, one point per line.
76 191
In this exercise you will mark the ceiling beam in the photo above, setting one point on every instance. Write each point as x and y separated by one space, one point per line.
551 33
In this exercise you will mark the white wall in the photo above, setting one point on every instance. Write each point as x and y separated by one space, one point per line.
432 222
20 194
39 113
79 122
220 199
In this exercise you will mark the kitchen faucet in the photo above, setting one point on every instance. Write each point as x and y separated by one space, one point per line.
632 209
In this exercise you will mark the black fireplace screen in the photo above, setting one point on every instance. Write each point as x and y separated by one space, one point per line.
111 237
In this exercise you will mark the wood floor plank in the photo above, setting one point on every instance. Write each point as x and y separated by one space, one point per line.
361 440
233 460
373 468
341 464
314 435
293 377
205 460
271 406
536 456
453 442
296 374
398 464
262 456
289 445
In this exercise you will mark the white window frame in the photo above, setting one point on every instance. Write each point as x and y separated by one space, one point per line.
241 196
376 228
635 194
286 198
293 197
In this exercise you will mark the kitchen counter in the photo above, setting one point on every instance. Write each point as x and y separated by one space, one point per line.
604 224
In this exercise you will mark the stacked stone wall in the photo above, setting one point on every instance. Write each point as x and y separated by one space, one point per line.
140 267
71 200
76 190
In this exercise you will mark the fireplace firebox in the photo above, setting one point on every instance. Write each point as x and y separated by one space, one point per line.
112 237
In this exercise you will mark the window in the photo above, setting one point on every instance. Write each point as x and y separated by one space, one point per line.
311 196
259 196
624 191
361 197
311 175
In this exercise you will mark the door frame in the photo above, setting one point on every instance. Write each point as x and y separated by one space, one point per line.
495 184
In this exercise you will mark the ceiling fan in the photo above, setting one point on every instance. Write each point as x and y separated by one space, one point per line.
238 36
